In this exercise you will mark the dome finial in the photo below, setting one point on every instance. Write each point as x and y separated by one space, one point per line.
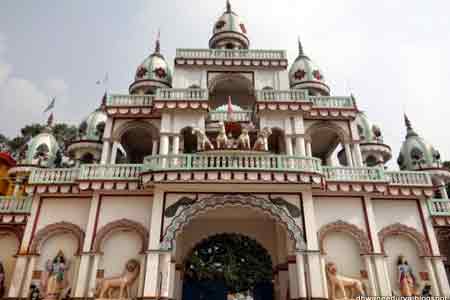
228 6
157 43
50 120
409 130
300 48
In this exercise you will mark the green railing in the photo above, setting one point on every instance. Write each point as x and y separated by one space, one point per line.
331 102
54 176
164 94
282 95
409 178
439 207
17 205
353 174
230 54
236 116
232 161
110 172
123 100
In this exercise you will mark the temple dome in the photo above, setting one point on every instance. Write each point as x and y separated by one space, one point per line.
43 149
368 132
229 32
305 74
416 153
92 127
154 72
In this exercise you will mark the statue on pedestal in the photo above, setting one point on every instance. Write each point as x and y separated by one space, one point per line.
244 140
124 282
342 287
54 280
406 279
261 141
222 140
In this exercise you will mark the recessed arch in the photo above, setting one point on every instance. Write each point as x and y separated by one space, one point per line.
120 225
232 200
415 236
341 226
238 86
57 228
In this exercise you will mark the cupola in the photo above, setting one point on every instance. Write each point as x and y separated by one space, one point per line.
154 72
229 32
305 74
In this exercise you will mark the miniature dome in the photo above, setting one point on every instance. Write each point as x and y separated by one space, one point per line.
304 74
229 32
368 133
152 73
416 153
43 149
93 126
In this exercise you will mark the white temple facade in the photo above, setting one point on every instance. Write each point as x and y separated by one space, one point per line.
230 142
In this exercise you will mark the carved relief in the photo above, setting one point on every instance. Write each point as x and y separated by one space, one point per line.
341 226
342 287
400 229
56 228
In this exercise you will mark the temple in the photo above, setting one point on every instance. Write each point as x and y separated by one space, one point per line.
230 174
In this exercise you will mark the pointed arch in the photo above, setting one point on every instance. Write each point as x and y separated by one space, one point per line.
120 225
396 229
232 200
327 125
341 226
57 228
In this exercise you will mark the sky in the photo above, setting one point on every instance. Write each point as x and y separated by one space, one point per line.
392 55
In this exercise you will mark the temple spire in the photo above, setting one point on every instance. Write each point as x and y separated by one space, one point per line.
157 43
228 6
409 130
300 48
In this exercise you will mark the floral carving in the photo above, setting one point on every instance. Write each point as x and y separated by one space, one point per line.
160 72
341 226
299 74
56 228
400 229
317 75
220 24
141 72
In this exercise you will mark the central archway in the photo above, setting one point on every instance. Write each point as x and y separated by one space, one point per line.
227 264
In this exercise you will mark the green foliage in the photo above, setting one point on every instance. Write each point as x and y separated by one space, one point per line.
238 260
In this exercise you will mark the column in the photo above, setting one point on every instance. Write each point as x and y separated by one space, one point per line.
301 275
370 274
358 160
288 142
105 152
168 280
175 144
441 276
155 147
382 278
300 148
151 284
114 152
93 275
434 284
164 144
308 148
18 276
85 259
179 285
17 184
314 264
348 155
28 276
293 277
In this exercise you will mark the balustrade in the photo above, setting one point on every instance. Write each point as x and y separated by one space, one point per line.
353 174
55 176
111 172
282 95
12 204
230 54
182 94
439 207
409 178
129 100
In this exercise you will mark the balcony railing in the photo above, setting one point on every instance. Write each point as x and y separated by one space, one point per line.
129 100
439 207
282 95
409 178
233 161
182 94
331 102
53 176
230 54
236 116
110 172
353 174
16 205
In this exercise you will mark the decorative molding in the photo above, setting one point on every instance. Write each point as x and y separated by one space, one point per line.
120 225
399 229
171 211
227 200
57 228
291 208
341 226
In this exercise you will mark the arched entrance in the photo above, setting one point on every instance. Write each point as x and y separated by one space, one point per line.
225 266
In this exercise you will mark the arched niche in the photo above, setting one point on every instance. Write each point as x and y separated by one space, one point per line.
10 243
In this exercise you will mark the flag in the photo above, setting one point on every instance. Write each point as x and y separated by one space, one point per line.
51 105
104 80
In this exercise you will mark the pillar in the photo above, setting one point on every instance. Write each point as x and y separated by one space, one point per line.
105 152
28 276
114 153
348 155
168 280
300 148
288 142
175 144
164 144
93 275
293 278
358 160
441 276
155 147
370 274
301 275
308 148
315 271
18 276
432 277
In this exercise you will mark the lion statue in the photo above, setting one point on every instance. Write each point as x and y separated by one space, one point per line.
341 287
123 282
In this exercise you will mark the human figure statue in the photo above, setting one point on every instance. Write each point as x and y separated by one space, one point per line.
34 294
56 277
406 279
2 280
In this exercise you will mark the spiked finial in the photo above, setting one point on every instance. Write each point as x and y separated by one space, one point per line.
103 103
157 43
300 48
228 6
409 130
